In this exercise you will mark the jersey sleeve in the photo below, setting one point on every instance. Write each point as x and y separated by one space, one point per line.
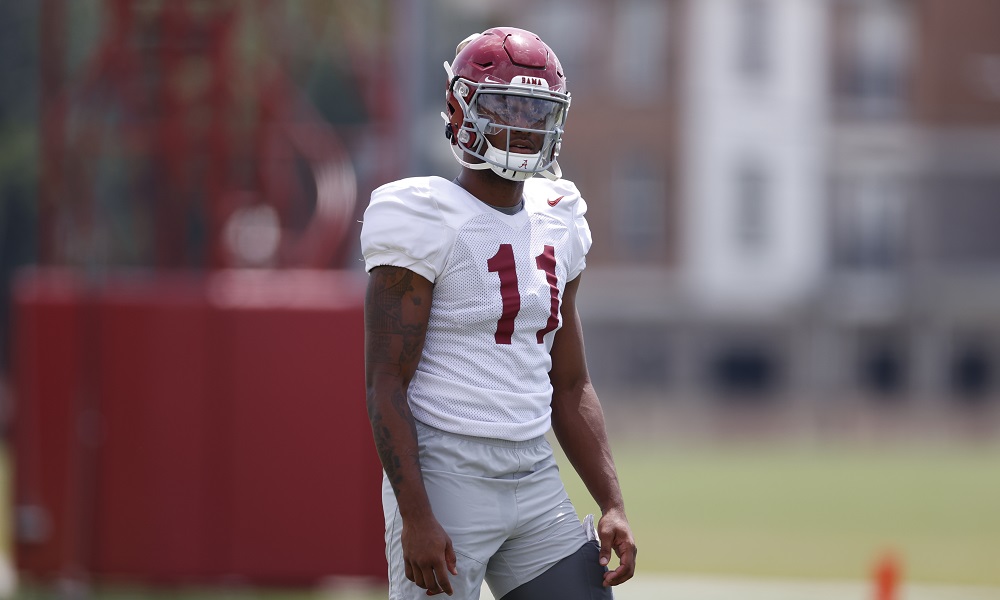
582 239
403 228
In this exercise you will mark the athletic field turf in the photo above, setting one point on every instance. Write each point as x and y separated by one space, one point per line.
824 513
779 522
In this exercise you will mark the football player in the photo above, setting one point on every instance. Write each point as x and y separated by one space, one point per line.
474 349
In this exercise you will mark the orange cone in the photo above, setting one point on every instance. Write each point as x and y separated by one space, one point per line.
886 576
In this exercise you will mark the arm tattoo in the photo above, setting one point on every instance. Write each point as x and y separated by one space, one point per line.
383 445
395 326
389 318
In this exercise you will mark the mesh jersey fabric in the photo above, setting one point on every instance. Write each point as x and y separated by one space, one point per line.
478 376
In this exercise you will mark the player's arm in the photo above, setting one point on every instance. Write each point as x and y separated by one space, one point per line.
578 422
397 309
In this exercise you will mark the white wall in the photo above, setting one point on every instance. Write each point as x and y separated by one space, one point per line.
776 121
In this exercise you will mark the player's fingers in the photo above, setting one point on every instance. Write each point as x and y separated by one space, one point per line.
451 559
626 567
433 578
613 577
429 580
444 584
624 572
432 585
408 570
418 577
618 576
605 553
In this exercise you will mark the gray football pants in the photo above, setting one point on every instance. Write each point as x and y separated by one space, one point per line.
508 516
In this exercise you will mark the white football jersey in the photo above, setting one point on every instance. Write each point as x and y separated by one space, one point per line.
498 285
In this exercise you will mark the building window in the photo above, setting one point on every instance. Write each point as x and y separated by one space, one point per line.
752 36
971 369
869 223
567 26
873 47
752 210
639 54
883 365
640 197
956 221
745 370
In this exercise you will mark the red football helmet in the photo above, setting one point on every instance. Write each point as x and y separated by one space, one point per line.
506 81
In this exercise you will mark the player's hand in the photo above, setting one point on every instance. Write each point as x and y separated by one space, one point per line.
428 556
615 534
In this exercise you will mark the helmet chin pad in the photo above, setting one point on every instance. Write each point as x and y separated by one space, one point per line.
514 166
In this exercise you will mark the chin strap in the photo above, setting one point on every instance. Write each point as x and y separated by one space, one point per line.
553 173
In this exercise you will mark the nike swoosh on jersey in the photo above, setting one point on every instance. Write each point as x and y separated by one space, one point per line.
555 201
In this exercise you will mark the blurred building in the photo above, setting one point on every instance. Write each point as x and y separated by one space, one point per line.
794 203
914 196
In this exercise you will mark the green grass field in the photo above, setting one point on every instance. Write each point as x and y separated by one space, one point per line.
777 511
826 513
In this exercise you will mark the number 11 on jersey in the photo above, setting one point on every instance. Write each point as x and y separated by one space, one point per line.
504 266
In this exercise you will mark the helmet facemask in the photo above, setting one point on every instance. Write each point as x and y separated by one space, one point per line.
524 118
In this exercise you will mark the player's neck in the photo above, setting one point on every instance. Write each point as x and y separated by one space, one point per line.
490 188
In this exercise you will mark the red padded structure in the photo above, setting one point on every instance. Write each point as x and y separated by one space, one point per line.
184 429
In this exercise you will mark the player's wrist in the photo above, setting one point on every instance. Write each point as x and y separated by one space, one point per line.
415 512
